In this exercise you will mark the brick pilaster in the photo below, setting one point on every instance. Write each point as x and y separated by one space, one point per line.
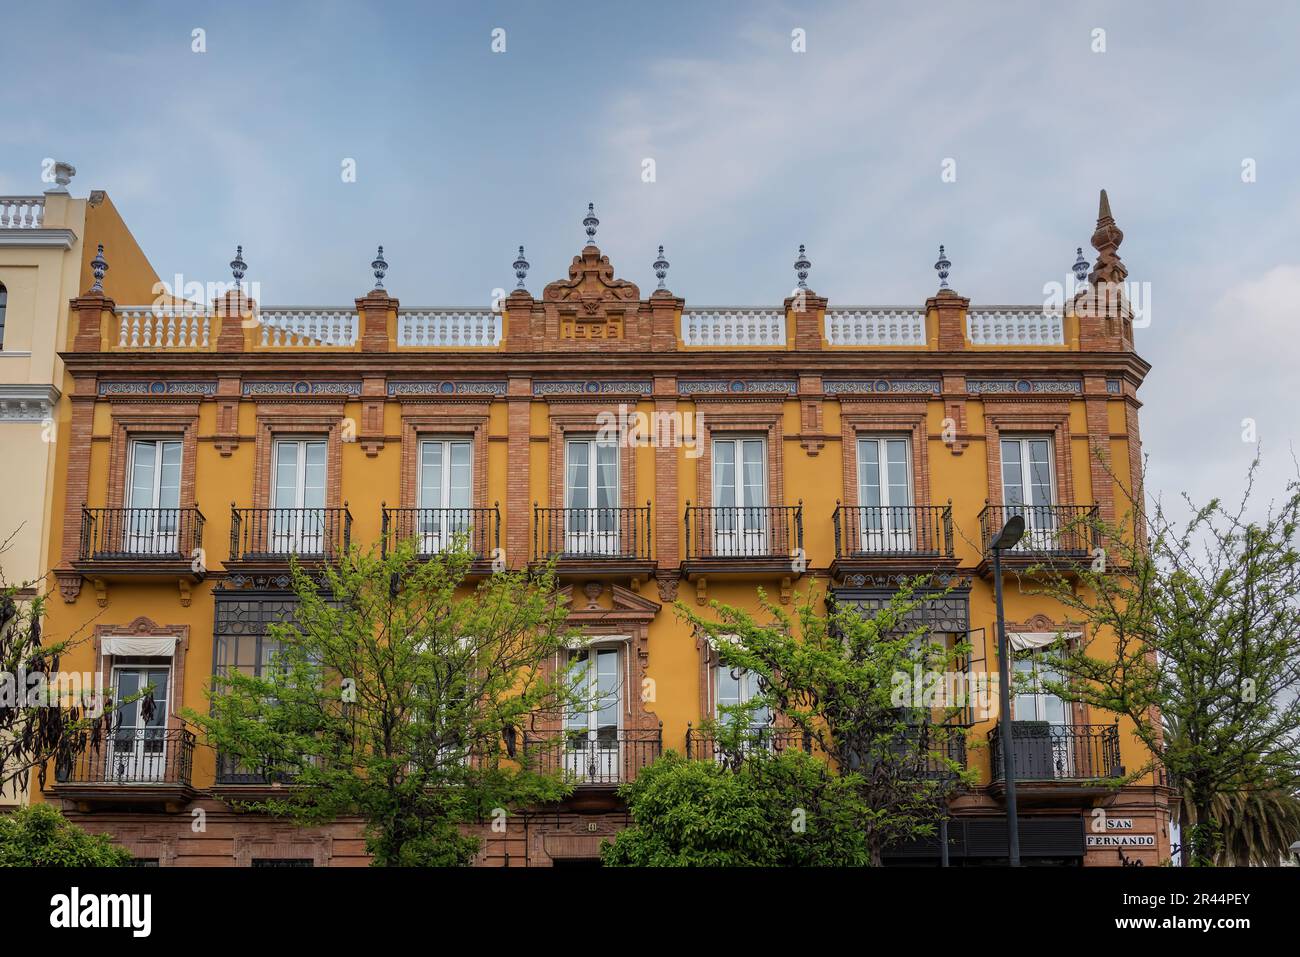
519 511
375 308
667 515
950 313
808 313
88 317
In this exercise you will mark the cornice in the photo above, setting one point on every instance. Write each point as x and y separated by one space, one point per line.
27 402
37 238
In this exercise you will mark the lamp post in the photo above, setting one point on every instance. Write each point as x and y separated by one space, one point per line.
1006 538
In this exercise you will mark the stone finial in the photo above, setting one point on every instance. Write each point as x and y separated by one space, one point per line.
661 269
1106 239
591 222
1080 266
380 268
943 266
63 173
237 265
801 267
520 267
98 266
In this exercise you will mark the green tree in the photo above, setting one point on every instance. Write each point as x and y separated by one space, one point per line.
834 673
1194 636
786 810
400 695
39 836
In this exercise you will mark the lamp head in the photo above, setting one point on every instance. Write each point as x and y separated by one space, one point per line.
1011 533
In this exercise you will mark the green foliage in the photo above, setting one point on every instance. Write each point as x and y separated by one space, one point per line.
1194 636
39 836
786 810
394 696
835 676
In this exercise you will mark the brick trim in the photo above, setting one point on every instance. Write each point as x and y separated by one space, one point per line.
1020 417
568 421
734 420
144 627
862 419
286 420
432 421
165 422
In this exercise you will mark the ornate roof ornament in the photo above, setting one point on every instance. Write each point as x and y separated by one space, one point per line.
591 222
943 266
237 265
520 267
801 267
661 269
1106 239
1080 266
98 266
380 268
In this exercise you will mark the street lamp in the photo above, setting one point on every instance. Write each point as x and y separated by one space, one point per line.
1006 538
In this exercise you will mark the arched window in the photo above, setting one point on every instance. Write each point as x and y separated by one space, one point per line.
4 300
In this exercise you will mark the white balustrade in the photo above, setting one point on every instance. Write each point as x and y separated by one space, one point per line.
1029 326
285 326
22 212
733 327
449 329
162 327
875 326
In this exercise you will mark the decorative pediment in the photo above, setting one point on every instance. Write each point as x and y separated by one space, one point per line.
621 604
591 284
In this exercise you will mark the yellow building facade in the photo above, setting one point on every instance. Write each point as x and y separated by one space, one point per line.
785 447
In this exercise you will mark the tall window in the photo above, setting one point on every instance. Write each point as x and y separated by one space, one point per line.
591 497
1033 703
446 492
1028 487
740 496
298 496
153 497
139 751
591 726
885 494
4 303
734 687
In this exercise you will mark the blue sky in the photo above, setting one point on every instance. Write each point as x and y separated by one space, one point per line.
462 154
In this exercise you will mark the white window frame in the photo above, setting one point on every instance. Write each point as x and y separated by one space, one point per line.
593 529
1039 697
152 529
891 526
299 527
587 757
1041 527
744 530
137 760
438 523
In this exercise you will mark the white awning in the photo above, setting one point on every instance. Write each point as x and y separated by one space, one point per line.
140 647
1028 640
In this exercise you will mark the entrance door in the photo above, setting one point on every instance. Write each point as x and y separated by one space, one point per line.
591 742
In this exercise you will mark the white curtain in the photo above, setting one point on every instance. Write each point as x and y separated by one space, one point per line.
140 647
1028 640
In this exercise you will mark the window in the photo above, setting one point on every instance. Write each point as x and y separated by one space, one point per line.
591 497
298 497
153 497
886 521
4 303
139 749
591 747
446 493
1028 488
740 497
249 654
1033 703
735 687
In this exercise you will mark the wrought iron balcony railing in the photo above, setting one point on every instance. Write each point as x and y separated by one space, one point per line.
869 531
1049 752
603 757
592 533
262 534
1049 529
128 534
437 529
703 745
131 756
744 531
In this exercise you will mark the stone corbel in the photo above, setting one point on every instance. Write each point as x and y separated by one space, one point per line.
787 590
101 591
69 585
701 591
186 596
227 437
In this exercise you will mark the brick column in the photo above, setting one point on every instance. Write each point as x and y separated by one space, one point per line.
88 318
950 310
374 310
667 514
1096 403
374 391
807 320
664 307
518 320
519 507
76 481
235 310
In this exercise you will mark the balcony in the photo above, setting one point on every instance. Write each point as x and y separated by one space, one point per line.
599 541
892 538
131 766
1053 759
603 758
1060 536
435 530
747 539
141 542
271 536
703 745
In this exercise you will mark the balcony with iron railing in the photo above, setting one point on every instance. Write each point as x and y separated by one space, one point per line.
594 540
704 744
602 758
1063 756
436 530
271 536
743 539
900 538
1056 536
141 541
129 765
